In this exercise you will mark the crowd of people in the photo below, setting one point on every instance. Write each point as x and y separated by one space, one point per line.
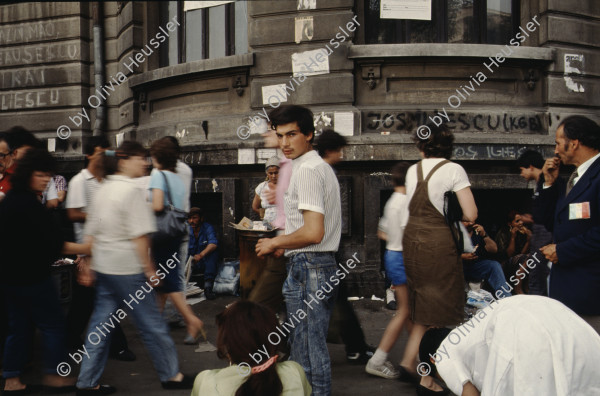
131 253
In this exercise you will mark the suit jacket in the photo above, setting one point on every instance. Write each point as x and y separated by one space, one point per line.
575 279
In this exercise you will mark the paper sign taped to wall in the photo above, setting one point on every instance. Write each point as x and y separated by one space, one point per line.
573 69
307 4
310 63
245 156
195 5
343 123
405 9
273 94
304 29
262 155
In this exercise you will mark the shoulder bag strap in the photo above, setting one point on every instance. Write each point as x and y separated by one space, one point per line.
169 200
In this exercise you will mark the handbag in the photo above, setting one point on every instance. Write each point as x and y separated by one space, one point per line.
453 214
171 222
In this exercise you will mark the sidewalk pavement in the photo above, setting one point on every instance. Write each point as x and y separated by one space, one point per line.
139 377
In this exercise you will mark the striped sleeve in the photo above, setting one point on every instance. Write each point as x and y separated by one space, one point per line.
311 190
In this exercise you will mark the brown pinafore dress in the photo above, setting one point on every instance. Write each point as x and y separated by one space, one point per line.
433 265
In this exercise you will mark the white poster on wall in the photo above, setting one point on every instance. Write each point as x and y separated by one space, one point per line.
343 123
307 4
310 63
573 70
273 94
304 29
405 9
195 5
245 156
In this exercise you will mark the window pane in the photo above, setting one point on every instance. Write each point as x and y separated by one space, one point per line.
241 27
193 35
173 48
423 31
499 24
379 31
216 32
460 21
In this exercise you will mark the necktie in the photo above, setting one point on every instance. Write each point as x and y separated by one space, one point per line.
571 181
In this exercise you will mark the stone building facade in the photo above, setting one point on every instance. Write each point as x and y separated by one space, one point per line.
500 73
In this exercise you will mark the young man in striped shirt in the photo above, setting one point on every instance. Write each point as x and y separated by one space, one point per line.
312 236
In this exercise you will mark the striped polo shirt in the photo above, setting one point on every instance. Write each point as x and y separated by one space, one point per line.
314 187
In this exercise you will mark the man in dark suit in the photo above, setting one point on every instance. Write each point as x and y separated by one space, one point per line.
575 275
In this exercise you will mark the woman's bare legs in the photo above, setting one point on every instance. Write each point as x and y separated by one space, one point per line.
394 328
194 324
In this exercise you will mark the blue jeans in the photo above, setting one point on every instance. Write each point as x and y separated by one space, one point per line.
490 270
39 304
114 292
310 288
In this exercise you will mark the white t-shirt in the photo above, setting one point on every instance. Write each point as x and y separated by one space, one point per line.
270 209
185 173
394 220
50 193
82 190
118 214
450 177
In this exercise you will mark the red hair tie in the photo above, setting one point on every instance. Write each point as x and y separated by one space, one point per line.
264 366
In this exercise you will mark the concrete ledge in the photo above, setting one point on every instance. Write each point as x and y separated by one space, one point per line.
196 67
385 51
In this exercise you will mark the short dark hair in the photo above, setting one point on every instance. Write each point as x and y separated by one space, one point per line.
431 341
529 158
35 160
330 140
243 329
196 212
583 129
174 140
438 143
90 144
17 137
165 153
399 173
286 114
127 149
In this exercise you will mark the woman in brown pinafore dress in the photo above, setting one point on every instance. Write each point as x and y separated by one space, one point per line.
433 265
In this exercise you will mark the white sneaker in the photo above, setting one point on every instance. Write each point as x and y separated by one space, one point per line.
390 299
386 370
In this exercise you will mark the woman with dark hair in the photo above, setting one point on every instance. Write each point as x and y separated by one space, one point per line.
243 339
25 282
166 185
433 265
119 224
